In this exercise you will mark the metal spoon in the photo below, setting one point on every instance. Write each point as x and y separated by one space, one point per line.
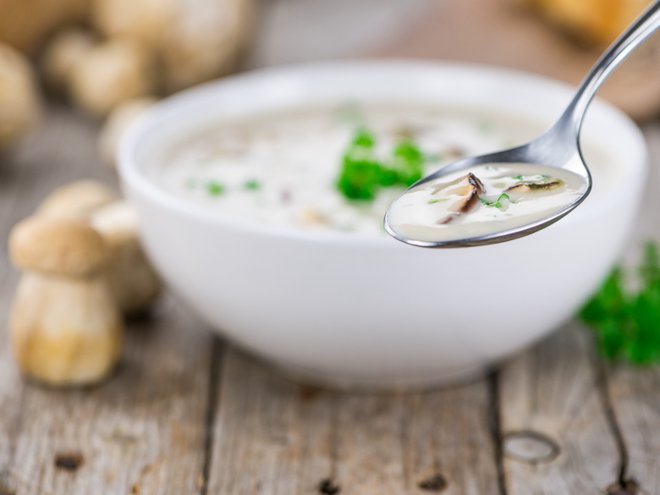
557 147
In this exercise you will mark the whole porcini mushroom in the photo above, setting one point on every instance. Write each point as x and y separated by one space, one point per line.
66 328
62 54
117 123
110 74
76 200
134 283
19 103
191 41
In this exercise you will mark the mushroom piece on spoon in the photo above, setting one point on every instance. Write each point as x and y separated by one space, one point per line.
459 196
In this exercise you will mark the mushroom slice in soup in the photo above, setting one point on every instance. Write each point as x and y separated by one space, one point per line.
529 188
460 195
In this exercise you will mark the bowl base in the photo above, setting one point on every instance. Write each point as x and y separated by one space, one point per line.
377 385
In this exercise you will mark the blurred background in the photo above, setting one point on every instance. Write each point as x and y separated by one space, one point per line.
110 59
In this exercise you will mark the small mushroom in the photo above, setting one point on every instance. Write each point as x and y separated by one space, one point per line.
466 189
118 122
311 217
110 74
192 41
76 200
134 283
62 54
546 185
66 328
19 104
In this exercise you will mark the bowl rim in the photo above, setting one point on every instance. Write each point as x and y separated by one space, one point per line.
131 175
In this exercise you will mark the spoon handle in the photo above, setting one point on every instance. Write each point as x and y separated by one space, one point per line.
642 29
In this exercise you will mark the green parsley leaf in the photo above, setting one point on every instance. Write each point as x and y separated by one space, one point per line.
363 139
363 173
518 177
252 185
408 162
434 201
498 203
214 188
359 178
627 323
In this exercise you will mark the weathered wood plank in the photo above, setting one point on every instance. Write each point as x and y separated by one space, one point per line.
141 432
557 438
418 443
272 436
634 396
634 393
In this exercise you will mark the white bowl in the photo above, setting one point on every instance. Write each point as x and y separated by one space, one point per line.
349 310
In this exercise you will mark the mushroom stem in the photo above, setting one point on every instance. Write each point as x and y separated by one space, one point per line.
65 331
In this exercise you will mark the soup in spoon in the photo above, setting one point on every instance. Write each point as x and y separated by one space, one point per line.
484 200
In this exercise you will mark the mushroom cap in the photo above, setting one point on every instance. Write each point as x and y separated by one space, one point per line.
62 247
76 200
62 54
117 222
111 73
19 102
193 41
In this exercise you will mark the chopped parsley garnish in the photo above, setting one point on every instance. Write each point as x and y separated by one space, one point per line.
486 127
498 203
518 177
363 173
627 323
214 188
251 185
434 201
408 162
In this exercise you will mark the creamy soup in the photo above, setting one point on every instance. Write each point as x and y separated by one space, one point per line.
484 200
329 169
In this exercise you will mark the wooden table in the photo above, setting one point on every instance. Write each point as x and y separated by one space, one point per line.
188 414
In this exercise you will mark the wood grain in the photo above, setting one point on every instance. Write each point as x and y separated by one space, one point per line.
273 436
634 393
550 397
634 396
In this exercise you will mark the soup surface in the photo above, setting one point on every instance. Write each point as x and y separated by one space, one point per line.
328 168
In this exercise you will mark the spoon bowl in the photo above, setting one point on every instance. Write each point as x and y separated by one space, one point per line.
539 152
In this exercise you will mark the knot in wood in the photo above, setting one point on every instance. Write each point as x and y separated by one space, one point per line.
68 461
435 483
328 487
625 487
530 446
